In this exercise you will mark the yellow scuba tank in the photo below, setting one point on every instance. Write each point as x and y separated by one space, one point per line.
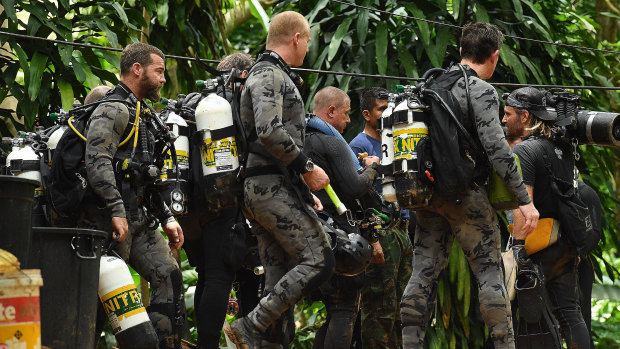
123 305
408 128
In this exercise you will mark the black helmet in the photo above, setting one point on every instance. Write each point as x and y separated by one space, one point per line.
352 252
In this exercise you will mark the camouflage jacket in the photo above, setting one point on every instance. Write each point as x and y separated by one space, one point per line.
485 106
106 128
272 112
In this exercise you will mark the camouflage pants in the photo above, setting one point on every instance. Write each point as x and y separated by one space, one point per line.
383 288
147 252
292 246
474 224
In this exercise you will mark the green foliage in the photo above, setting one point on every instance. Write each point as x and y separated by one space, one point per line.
45 76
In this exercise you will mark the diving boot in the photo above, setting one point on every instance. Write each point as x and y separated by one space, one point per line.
243 334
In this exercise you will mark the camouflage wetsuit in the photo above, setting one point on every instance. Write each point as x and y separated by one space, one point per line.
145 249
292 244
470 219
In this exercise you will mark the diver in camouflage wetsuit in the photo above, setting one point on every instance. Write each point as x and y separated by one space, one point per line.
468 217
292 244
129 206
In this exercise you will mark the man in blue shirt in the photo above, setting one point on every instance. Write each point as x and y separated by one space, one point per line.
385 282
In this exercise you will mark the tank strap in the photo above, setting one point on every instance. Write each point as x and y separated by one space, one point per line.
228 131
19 165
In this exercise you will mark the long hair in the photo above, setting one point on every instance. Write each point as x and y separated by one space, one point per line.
541 128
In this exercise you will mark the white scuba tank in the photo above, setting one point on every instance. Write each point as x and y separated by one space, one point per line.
219 149
53 139
406 134
123 305
178 126
25 155
178 193
387 152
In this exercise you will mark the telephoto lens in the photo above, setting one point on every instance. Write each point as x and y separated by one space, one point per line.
597 128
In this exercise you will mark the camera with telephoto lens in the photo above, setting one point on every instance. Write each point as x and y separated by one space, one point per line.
586 126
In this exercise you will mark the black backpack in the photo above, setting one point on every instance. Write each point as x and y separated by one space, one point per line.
66 184
574 216
452 157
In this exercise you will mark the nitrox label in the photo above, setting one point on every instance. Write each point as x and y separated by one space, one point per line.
182 163
123 303
406 142
220 154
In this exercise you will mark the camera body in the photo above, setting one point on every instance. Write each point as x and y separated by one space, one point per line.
586 126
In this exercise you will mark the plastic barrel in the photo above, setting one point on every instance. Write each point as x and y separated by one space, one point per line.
20 325
16 200
69 262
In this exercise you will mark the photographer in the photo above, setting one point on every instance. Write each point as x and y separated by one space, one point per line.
526 107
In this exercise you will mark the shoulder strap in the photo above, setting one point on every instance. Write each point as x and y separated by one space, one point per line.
460 126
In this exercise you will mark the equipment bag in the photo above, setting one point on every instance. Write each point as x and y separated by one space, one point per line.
67 184
571 211
456 156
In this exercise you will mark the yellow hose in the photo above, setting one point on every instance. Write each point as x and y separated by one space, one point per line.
133 129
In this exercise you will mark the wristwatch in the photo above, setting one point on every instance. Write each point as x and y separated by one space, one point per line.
308 166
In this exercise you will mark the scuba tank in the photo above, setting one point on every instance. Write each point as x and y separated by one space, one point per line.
176 172
384 126
218 150
24 161
408 129
123 306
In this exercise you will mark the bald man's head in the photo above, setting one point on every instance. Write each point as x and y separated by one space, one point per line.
96 94
283 27
333 105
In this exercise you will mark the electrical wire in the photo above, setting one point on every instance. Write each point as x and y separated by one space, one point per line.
318 71
460 27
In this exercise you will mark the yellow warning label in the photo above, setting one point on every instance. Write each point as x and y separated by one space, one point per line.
23 335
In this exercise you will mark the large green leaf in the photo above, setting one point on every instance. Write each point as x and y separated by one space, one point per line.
425 32
9 8
481 13
259 12
541 17
408 62
518 9
334 45
381 44
66 94
512 61
37 66
456 7
121 12
110 35
362 26
318 7
162 13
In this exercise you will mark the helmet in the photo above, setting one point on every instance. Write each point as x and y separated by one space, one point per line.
352 252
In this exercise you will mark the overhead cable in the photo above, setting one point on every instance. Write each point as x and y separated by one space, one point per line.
460 27
326 72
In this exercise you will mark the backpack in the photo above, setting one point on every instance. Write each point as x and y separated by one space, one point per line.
66 184
571 211
452 157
